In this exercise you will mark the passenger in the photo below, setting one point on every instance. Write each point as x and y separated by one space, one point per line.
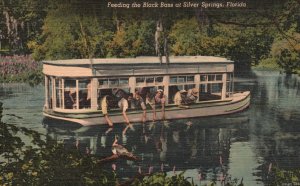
89 95
119 93
123 102
159 98
104 107
72 95
85 97
123 105
192 96
179 98
139 102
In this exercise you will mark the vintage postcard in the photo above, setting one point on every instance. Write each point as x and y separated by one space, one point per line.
154 92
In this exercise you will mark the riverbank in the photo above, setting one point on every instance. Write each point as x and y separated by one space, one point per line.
270 64
20 68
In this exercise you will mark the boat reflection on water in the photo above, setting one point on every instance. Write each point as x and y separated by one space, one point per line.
199 146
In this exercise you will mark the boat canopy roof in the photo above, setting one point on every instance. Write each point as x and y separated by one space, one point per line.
138 60
137 66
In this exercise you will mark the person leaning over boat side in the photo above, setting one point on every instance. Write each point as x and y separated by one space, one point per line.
159 98
123 105
104 107
139 101
192 96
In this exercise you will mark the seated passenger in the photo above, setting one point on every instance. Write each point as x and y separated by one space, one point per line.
72 96
87 100
179 98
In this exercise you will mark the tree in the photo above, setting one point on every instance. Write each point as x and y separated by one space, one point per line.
21 22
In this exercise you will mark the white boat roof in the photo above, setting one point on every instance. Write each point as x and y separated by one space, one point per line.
137 60
107 67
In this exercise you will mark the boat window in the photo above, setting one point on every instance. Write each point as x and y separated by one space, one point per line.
210 91
211 77
49 88
113 82
142 81
203 77
115 94
159 79
77 94
150 80
124 81
173 89
181 79
203 88
190 78
216 87
84 88
115 88
103 82
219 77
229 85
70 94
58 90
173 79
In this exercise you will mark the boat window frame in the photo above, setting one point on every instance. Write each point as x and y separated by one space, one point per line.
183 76
213 78
63 89
149 84
108 85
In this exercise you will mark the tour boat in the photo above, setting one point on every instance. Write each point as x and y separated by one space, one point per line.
74 88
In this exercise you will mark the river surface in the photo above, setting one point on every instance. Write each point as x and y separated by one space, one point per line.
242 145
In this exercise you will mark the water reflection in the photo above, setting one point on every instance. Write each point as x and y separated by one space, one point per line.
203 145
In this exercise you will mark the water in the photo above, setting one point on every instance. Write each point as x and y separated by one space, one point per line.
241 145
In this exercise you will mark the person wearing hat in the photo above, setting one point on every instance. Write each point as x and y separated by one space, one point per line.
122 98
192 95
160 99
139 102
180 98
154 100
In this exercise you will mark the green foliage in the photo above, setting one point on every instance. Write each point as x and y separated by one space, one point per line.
133 39
76 29
186 37
268 64
286 51
160 178
284 177
21 22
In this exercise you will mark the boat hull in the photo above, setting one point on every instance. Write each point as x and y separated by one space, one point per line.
238 102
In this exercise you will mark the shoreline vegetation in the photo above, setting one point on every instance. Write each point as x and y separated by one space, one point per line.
20 68
24 69
260 35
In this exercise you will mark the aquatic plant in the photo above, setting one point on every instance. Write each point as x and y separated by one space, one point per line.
20 68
